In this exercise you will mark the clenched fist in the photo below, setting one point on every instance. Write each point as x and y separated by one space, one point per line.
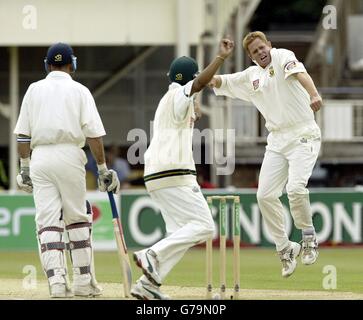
225 48
316 103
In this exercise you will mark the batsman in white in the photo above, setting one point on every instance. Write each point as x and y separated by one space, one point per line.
281 89
170 175
57 115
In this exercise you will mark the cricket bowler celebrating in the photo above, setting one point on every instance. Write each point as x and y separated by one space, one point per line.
57 115
281 89
170 175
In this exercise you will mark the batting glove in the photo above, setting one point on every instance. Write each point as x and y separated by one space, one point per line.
108 180
23 180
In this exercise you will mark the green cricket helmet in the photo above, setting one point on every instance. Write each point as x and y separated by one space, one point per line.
182 70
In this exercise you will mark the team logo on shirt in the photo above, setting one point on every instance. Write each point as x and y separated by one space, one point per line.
58 58
290 65
255 84
271 71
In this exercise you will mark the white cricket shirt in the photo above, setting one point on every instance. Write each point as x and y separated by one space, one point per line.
59 110
281 99
169 158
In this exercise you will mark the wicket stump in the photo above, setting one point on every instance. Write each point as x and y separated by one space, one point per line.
222 246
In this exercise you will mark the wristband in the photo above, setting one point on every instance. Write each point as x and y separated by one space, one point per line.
220 58
102 167
23 139
24 162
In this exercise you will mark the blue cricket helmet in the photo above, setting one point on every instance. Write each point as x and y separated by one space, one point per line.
60 54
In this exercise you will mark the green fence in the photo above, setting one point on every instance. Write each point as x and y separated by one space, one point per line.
337 215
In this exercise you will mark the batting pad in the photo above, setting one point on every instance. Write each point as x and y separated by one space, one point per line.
51 251
81 252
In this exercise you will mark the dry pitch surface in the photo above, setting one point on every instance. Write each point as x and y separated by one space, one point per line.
13 289
260 276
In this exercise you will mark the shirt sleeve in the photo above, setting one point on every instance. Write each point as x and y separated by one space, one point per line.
290 64
235 85
23 124
91 123
182 100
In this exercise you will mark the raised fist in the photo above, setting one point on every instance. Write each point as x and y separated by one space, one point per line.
225 47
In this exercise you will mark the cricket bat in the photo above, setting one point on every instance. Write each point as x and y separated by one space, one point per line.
121 247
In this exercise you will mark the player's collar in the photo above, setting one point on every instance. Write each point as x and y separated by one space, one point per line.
174 85
58 74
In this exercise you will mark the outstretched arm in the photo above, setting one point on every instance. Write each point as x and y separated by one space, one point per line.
225 49
305 80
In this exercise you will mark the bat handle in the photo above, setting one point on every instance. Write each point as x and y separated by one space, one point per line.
113 204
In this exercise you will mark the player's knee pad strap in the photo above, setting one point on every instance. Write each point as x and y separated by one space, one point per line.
47 234
56 272
79 225
73 245
52 246
51 228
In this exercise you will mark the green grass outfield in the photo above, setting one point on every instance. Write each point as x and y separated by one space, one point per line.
260 269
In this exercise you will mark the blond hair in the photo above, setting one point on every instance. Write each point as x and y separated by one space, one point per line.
252 36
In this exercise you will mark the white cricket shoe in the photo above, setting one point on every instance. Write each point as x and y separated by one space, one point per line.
309 249
288 258
146 260
87 290
59 290
147 291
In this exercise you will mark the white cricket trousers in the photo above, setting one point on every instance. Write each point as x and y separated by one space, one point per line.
59 190
289 160
188 222
59 184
